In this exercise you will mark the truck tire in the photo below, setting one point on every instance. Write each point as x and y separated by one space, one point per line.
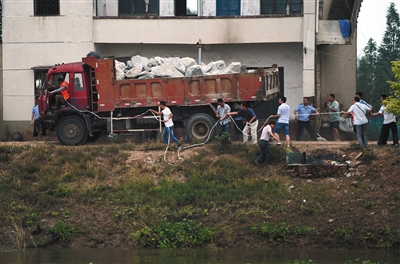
71 130
199 126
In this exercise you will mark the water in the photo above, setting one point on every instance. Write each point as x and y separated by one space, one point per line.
193 256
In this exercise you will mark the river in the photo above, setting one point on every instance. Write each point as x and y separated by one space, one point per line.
194 256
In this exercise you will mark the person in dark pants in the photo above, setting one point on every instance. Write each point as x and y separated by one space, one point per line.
266 135
302 114
36 122
334 116
389 123
224 120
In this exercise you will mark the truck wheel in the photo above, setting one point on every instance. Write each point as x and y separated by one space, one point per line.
199 126
72 131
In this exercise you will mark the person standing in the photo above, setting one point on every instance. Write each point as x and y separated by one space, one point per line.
389 123
360 120
359 95
36 122
251 122
283 116
334 116
168 132
224 119
266 135
302 114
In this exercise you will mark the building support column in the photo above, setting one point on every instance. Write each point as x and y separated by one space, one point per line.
309 48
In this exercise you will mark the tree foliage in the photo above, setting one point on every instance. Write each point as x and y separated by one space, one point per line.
374 69
366 71
392 102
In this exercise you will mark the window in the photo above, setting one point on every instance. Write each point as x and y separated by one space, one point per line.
186 8
296 6
228 7
137 7
280 6
40 79
47 7
273 7
78 81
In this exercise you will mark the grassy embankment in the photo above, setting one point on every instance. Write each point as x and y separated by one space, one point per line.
92 196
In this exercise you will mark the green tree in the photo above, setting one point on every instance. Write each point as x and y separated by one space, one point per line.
388 51
393 102
366 81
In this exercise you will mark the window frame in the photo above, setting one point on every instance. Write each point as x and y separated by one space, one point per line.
42 8
153 8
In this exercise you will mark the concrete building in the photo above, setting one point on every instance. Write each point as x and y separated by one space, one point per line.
303 37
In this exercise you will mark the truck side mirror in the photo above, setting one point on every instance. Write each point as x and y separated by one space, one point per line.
38 84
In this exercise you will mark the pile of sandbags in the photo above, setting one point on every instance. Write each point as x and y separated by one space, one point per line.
139 67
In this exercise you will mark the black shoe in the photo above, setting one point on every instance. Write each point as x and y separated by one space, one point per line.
179 145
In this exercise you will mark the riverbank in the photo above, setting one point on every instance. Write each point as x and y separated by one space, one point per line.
126 195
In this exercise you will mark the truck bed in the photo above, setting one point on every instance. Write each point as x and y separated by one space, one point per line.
199 90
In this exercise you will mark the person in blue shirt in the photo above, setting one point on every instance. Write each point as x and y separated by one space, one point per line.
36 122
359 95
302 114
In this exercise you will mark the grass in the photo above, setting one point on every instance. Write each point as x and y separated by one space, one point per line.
280 231
220 192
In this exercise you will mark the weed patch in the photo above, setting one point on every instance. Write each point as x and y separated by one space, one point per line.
313 200
63 232
370 204
391 238
346 232
280 231
167 234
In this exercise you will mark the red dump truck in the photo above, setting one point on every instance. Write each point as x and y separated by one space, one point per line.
99 103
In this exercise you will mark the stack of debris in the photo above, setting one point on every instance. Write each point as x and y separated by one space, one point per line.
139 67
320 166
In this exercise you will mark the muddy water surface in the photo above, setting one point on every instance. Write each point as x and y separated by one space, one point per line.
199 256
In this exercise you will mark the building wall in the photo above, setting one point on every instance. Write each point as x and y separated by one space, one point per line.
30 41
189 30
338 72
